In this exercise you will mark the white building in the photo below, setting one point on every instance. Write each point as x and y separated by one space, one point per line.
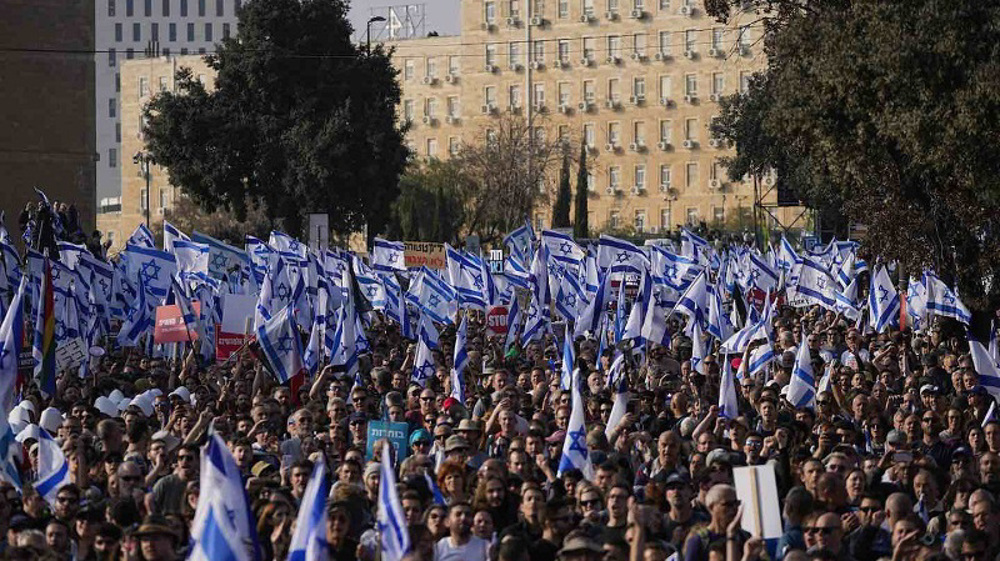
126 29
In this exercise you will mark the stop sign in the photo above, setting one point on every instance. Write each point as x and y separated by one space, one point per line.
496 320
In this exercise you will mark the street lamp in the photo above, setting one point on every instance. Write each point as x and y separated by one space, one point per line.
144 160
368 31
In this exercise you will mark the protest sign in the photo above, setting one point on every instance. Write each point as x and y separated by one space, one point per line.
496 320
395 433
757 490
170 327
430 254
70 354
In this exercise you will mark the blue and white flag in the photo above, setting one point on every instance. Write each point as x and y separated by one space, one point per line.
394 537
760 274
11 339
513 322
802 388
388 256
275 293
618 381
223 526
279 341
728 405
590 318
222 257
575 454
986 365
654 325
171 234
693 246
694 303
309 538
461 360
466 278
637 315
53 469
519 242
191 257
619 256
141 237
942 301
436 493
562 249
787 257
423 363
883 301
814 284
699 349
153 267
568 361
314 348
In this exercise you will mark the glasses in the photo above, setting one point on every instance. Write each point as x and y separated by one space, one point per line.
131 478
185 458
869 509
592 503
421 443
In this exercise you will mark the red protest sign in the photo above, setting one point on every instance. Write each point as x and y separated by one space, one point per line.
496 320
228 343
169 326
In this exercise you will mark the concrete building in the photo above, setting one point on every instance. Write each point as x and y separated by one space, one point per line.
134 29
47 105
638 80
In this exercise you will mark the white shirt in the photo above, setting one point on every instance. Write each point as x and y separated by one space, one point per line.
476 549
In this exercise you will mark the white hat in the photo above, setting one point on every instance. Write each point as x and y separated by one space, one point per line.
18 419
123 404
50 420
29 432
182 393
29 406
169 441
155 392
144 403
116 395
106 406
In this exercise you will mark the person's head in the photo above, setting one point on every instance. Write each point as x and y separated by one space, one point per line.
512 549
532 503
558 519
460 518
57 534
300 472
482 524
337 522
827 531
67 502
591 503
983 512
157 539
798 503
722 504
906 526
870 509
108 540
618 496
187 462
976 545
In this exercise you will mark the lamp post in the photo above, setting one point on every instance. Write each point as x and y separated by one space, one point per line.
144 160
368 31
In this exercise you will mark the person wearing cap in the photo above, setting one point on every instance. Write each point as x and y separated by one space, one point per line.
107 543
470 430
681 516
357 423
157 539
579 546
420 442
460 544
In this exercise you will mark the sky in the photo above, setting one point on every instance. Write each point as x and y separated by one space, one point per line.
441 16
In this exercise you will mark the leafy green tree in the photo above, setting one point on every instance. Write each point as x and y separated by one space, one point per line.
300 120
580 227
892 108
431 203
564 196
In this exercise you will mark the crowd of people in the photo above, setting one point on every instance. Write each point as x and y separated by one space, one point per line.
900 459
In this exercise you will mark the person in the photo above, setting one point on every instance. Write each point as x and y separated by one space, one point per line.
460 544
157 539
723 507
798 504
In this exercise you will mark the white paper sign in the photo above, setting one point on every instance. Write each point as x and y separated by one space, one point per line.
757 490
70 354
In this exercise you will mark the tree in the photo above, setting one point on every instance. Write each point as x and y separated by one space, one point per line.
564 196
505 165
430 206
581 228
893 108
300 120
221 224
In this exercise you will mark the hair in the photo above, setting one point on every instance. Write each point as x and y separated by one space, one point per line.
480 501
451 467
714 494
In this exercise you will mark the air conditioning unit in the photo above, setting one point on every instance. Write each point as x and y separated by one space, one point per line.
430 80
564 109
513 21
664 187
689 144
610 15
612 59
585 61
450 120
714 184
515 66
652 229
584 106
637 14
488 27
637 147
537 65
715 97
562 63
612 190
488 109
690 54
160 211
633 100
428 120
666 101
537 21
715 53
686 11
744 50
663 145
539 108
638 57
610 147
715 142
690 98
611 104
450 78
491 68
586 18
661 56
635 190
769 180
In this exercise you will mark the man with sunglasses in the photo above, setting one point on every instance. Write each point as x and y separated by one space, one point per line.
168 493
826 532
871 541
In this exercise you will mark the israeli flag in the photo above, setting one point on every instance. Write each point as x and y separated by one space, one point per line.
394 537
11 338
423 364
138 321
575 454
388 256
590 319
787 257
568 360
815 285
637 315
760 357
222 257
619 381
728 405
802 388
153 267
699 350
191 257
170 234
883 301
654 325
309 538
513 322
141 237
53 469
466 277
461 360
223 526
694 303
279 340
435 490
518 242
693 246
619 256
986 365
943 301
314 350
563 249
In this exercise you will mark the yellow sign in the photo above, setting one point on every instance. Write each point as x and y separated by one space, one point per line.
429 254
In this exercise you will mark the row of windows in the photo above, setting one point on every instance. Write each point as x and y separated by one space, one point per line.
165 198
165 7
130 54
616 47
641 224
512 8
154 32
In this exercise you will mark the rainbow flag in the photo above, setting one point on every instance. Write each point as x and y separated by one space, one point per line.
44 348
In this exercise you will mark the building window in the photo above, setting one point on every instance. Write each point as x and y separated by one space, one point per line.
154 31
718 35
664 5
172 32
589 92
614 90
718 83
664 177
129 8
237 6
163 83
564 93
665 220
614 46
514 96
490 13
184 8
612 5
453 65
111 8
432 148
692 174
665 131
691 85
148 8
453 107
718 214
589 136
118 82
640 220
591 182
564 51
564 135
692 216
614 178
639 88
690 129
490 96
539 94
453 146
112 157
639 43
640 176
745 37
744 82
588 48
588 8
166 8
201 8
614 133
639 133
119 34
665 84
430 107
513 8
538 8
184 51
408 69
208 31
513 55
112 108
166 52
143 86
664 44
129 54
219 8
190 32
563 9
491 54
538 51
431 67
226 32
613 219
408 109
164 197
691 40
118 132
136 31
143 199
